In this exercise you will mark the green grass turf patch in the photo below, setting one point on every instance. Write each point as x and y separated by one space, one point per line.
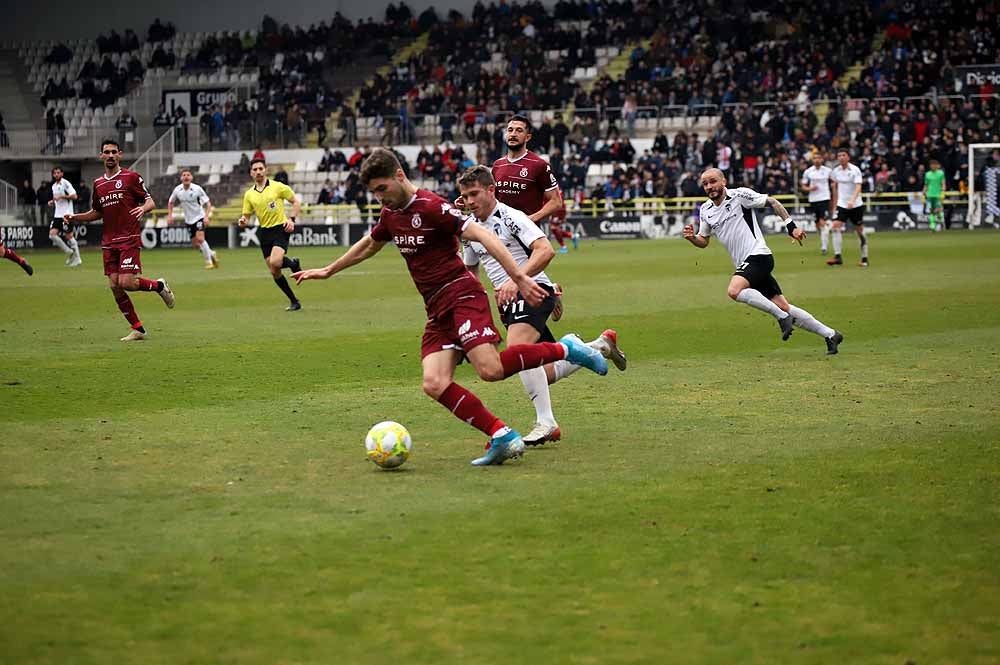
203 497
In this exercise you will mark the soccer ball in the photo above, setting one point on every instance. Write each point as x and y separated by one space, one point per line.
388 444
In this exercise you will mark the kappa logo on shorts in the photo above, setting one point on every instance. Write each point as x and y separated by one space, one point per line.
127 261
415 221
487 331
464 328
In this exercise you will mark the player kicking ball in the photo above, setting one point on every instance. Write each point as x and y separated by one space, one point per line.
525 323
426 229
729 214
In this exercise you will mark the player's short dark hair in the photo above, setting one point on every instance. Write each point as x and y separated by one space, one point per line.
477 175
844 150
185 170
258 160
56 168
521 118
113 142
381 163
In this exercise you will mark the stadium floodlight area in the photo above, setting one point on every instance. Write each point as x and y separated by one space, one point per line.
985 204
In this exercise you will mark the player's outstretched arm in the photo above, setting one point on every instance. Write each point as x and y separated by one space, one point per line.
795 232
533 293
360 251
693 238
89 216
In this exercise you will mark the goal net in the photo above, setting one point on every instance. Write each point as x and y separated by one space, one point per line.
984 178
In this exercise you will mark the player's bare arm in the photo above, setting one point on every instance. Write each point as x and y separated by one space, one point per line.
170 210
146 206
541 255
360 251
89 216
209 209
532 293
854 196
795 232
694 238
552 205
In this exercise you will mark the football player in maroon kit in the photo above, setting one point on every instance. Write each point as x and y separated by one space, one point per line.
11 255
121 199
426 230
524 180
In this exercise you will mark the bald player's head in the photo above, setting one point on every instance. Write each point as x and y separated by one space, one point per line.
714 172
713 181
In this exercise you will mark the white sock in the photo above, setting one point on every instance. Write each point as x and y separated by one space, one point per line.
824 238
838 241
562 369
537 386
206 251
74 247
756 299
864 246
803 319
58 242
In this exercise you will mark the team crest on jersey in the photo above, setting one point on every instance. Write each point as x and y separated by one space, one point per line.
118 184
524 173
415 221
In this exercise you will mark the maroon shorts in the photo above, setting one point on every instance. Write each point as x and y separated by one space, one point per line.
123 260
463 326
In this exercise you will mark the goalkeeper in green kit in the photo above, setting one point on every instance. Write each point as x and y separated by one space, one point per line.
933 191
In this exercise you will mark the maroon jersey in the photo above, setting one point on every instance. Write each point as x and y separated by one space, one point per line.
426 232
522 183
114 197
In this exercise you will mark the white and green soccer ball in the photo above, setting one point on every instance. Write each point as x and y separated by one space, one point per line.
388 444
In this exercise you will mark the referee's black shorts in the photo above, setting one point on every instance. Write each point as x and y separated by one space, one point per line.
758 269
271 237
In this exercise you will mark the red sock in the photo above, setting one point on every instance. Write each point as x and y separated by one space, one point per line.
148 284
520 357
467 407
128 309
11 255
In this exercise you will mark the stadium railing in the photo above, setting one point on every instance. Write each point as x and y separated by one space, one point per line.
353 214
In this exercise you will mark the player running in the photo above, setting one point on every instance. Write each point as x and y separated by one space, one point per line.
11 255
426 229
197 210
816 181
525 323
933 191
729 215
847 179
60 233
120 198
266 199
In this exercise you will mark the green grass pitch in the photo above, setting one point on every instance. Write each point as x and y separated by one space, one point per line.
203 497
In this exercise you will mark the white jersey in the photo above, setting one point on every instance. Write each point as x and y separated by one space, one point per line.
516 232
62 206
735 223
192 201
846 179
818 177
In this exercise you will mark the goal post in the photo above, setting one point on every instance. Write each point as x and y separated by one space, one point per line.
983 203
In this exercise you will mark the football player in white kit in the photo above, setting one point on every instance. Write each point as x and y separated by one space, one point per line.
197 209
61 232
816 181
730 216
525 324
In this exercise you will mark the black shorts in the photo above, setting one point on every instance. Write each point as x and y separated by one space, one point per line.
194 227
271 237
821 209
852 215
757 270
62 227
519 311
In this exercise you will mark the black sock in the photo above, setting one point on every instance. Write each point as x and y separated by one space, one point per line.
159 286
285 288
142 329
286 262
